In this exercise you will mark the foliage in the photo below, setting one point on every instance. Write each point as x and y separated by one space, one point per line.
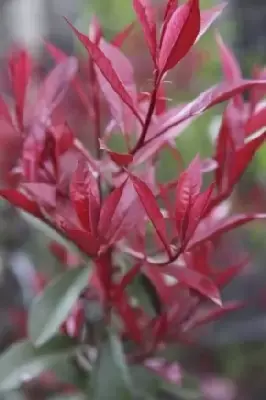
119 232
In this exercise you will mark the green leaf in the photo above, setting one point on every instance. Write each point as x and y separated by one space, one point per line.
50 309
22 360
110 378
68 372
50 232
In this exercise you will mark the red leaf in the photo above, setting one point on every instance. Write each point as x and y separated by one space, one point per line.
195 280
56 53
216 313
128 278
50 95
208 17
20 200
129 317
256 122
171 6
120 37
85 196
120 111
188 188
180 34
107 70
206 100
152 209
108 209
146 17
121 159
223 156
197 211
223 226
85 241
20 66
223 278
243 157
4 112
44 194
231 69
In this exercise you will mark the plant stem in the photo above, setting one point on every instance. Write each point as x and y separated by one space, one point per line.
149 115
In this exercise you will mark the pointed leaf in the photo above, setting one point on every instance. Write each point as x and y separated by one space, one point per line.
206 100
195 280
223 278
231 69
188 188
51 308
170 8
223 226
180 34
152 209
20 66
120 37
85 196
21 201
146 17
107 70
22 360
208 17
243 157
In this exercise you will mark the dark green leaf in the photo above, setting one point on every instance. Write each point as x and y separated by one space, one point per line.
52 306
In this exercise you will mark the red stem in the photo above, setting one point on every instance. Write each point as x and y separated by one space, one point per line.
149 115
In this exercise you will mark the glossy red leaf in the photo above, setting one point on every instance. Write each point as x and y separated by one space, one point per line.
84 240
170 8
206 100
120 111
120 37
188 188
180 34
152 209
107 70
198 209
243 157
145 14
108 209
223 226
20 67
195 280
85 196
20 200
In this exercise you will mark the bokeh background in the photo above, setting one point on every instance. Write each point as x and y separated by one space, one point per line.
231 354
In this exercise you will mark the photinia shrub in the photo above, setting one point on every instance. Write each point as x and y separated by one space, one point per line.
139 274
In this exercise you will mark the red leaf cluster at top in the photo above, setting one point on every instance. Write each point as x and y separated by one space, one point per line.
108 204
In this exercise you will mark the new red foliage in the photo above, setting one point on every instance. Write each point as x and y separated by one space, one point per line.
110 207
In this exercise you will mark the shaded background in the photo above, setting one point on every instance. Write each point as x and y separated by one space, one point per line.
234 349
